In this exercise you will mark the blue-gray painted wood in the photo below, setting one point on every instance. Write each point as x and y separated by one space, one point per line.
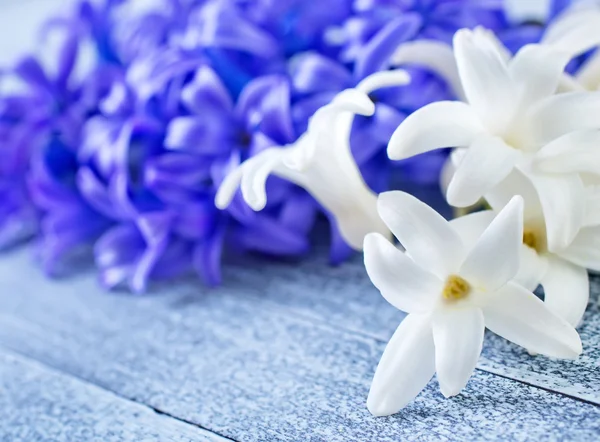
40 404
238 363
345 297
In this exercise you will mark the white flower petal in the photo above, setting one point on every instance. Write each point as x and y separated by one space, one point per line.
563 201
433 55
516 183
437 125
406 367
567 290
563 113
492 39
302 155
458 338
343 124
253 175
349 100
584 251
485 78
537 71
256 172
519 316
470 227
574 32
427 237
575 152
327 139
228 188
446 174
592 207
355 218
449 168
486 163
495 257
532 268
383 79
402 283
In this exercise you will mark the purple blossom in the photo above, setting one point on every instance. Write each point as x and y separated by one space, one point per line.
317 79
243 38
123 164
123 29
167 133
272 27
42 132
438 20
68 225
18 217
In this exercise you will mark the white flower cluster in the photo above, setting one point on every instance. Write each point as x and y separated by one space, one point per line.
526 139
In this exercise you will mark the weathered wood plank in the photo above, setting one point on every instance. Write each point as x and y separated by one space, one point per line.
242 366
345 297
41 404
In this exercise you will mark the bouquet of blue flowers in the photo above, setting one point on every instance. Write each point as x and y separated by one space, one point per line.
122 162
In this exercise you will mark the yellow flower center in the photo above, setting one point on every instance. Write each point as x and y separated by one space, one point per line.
530 239
456 288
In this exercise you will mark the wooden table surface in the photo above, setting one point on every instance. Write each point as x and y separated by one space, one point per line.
281 352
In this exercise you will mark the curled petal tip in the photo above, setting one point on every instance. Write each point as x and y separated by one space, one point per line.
254 193
222 200
256 203
380 80
353 101
255 198
225 194
228 188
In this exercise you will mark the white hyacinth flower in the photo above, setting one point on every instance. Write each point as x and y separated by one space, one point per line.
321 162
563 272
512 118
452 292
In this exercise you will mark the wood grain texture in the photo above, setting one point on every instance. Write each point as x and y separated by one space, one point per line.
241 365
344 297
40 404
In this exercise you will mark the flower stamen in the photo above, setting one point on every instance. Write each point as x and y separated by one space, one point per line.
456 288
530 239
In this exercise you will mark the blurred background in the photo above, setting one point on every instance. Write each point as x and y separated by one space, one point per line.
119 121
20 19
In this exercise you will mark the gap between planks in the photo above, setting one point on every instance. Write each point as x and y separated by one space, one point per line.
44 364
